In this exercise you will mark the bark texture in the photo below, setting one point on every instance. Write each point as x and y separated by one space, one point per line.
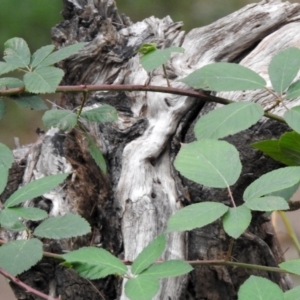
130 205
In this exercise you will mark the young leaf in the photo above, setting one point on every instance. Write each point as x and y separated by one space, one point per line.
267 203
293 91
149 255
9 82
283 69
203 162
272 149
28 213
43 80
62 227
292 118
96 154
155 58
293 294
224 77
289 145
146 48
3 177
104 113
292 266
32 101
170 268
258 288
39 55
273 181
196 216
6 156
2 108
6 67
63 119
142 287
227 120
61 54
236 220
16 52
95 263
34 189
19 256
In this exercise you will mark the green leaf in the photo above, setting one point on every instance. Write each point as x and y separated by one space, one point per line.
96 154
62 227
272 149
32 101
224 77
227 120
289 145
149 255
2 108
287 193
146 48
292 118
258 288
10 221
267 203
6 67
292 266
104 113
293 294
6 156
10 82
39 55
3 177
34 189
61 54
141 288
196 216
16 52
283 69
155 58
94 263
236 220
171 268
63 119
203 162
293 91
43 80
28 213
19 256
272 182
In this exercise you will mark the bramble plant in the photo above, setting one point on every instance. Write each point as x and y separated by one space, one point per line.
200 161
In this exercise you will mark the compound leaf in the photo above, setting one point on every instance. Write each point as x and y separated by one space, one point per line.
39 55
10 82
62 119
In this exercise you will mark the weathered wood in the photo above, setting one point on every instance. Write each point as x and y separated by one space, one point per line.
130 205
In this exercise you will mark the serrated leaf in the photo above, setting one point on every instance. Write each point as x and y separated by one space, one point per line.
267 203
34 189
292 118
6 156
149 255
16 52
293 90
9 220
283 68
3 178
141 288
43 80
6 67
224 77
19 256
272 182
104 113
61 54
293 294
28 213
39 55
203 162
196 216
2 108
171 268
289 145
96 154
272 149
258 288
10 82
292 266
95 263
155 58
62 119
236 220
32 101
62 227
227 120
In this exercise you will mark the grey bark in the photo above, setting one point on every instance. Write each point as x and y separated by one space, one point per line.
129 207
